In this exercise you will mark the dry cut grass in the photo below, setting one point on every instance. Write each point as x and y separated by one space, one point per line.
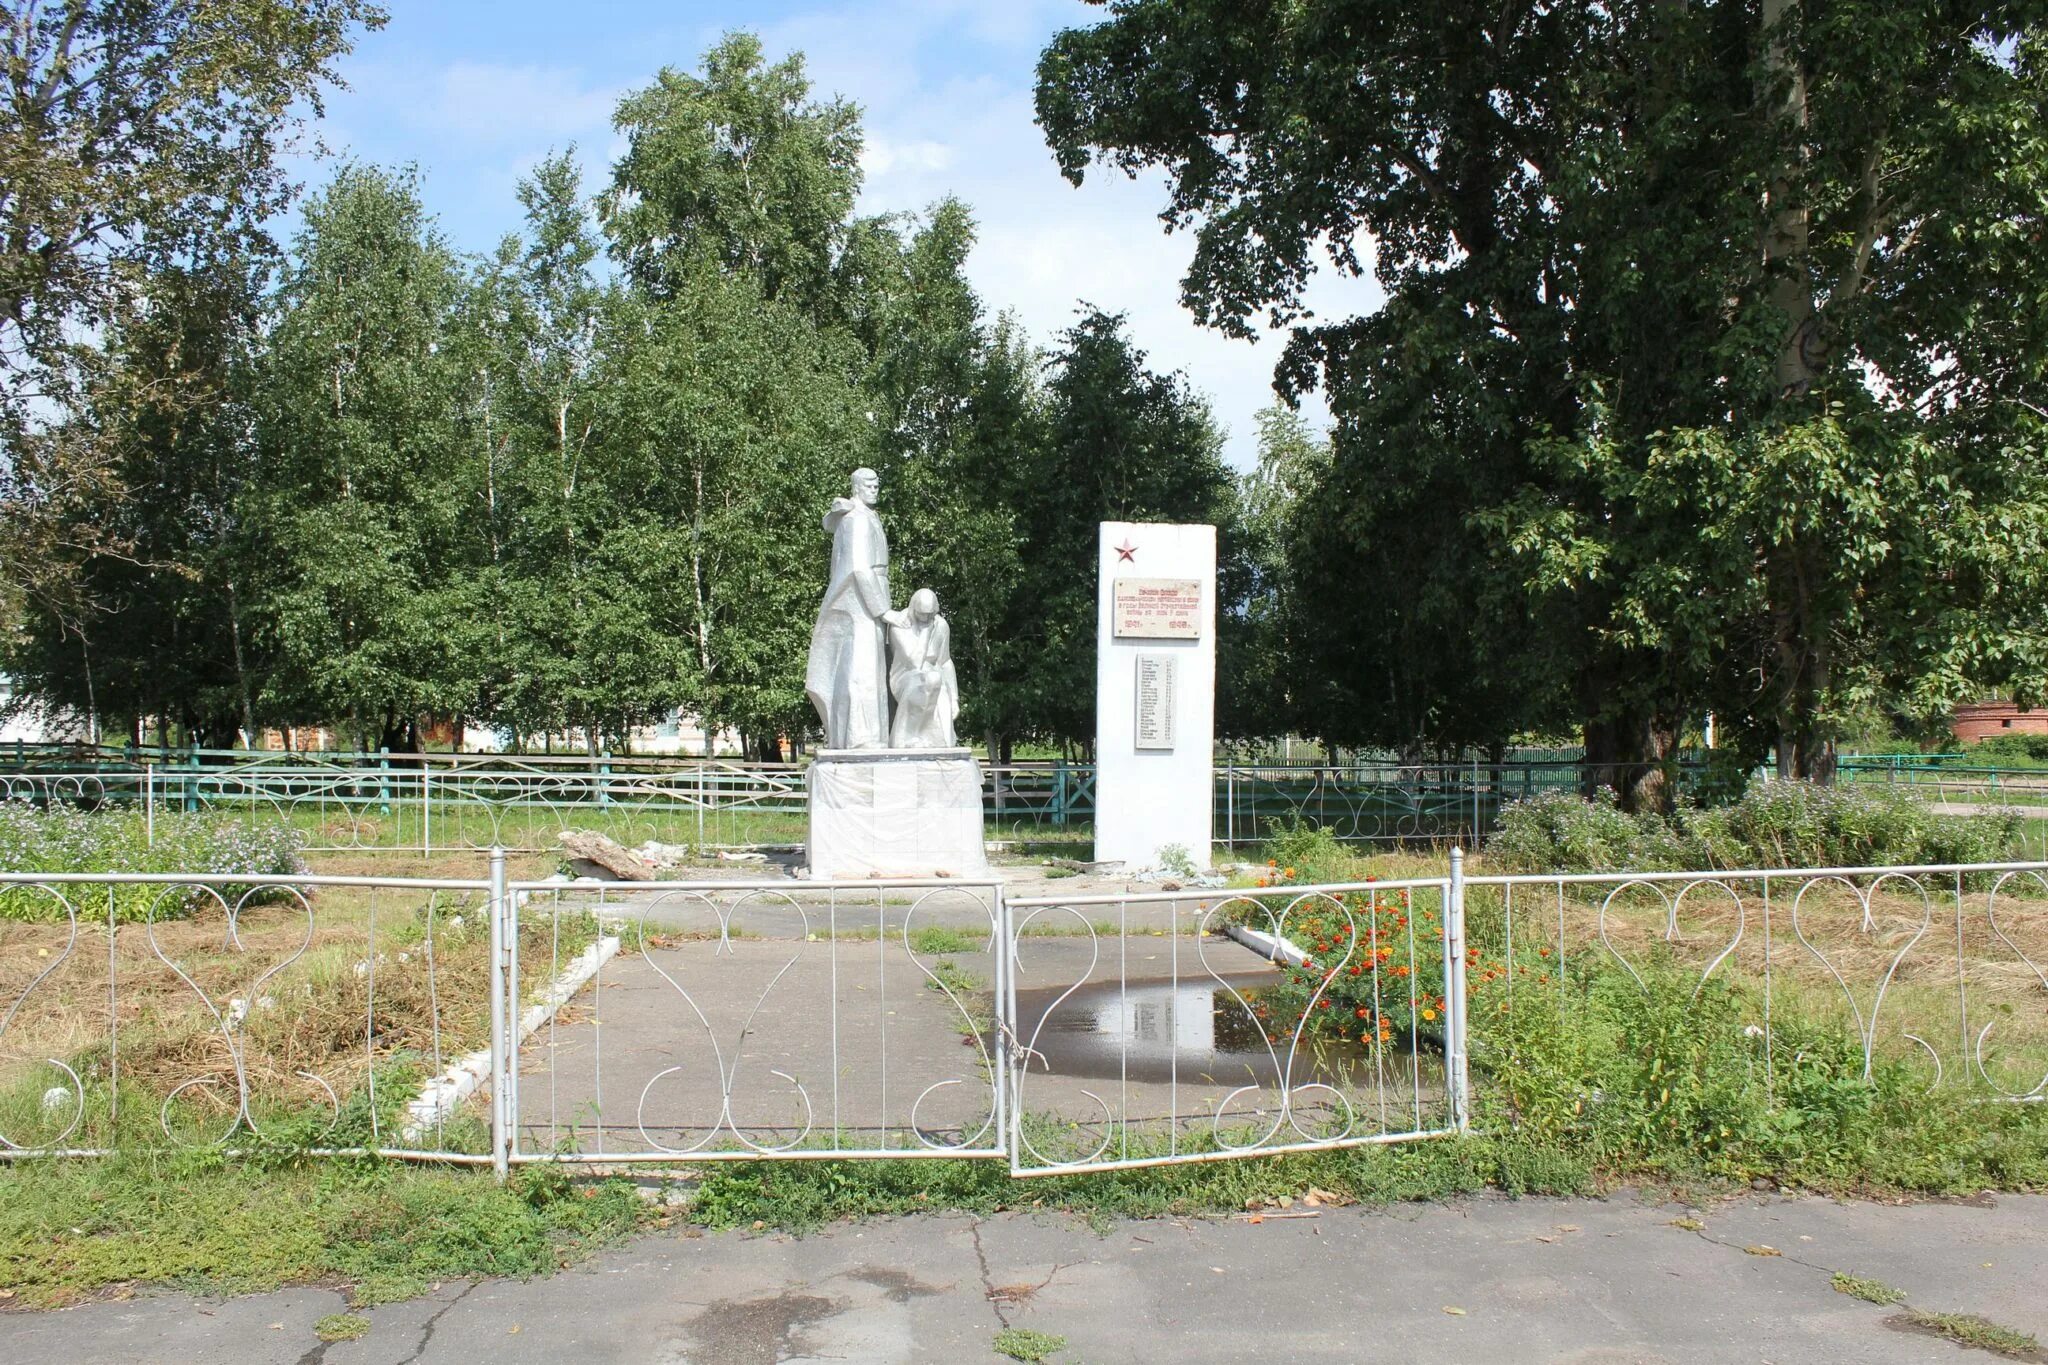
310 992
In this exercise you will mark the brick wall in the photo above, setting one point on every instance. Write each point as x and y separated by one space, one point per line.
1985 719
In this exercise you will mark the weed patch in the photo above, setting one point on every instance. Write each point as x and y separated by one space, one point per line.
1870 1291
940 938
342 1327
1966 1329
65 839
1775 824
1021 1343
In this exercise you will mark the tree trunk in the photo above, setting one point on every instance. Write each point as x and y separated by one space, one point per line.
1630 754
1786 233
241 668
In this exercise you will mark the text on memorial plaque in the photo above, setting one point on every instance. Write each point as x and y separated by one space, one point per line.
1158 608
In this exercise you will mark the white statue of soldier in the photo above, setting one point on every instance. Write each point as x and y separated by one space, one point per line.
921 676
848 673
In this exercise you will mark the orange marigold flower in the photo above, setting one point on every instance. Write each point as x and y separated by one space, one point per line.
1429 1014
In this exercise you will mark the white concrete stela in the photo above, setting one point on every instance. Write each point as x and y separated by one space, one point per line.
1155 687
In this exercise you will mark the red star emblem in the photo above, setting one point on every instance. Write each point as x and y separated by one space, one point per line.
1126 553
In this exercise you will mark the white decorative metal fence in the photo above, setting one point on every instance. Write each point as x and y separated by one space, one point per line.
1177 1026
809 1019
496 1021
1943 968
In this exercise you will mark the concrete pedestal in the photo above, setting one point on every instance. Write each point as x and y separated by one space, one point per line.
895 813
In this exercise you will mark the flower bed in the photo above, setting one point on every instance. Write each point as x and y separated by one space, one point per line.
1374 972
60 839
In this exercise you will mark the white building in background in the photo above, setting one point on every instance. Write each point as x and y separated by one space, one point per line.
31 724
681 735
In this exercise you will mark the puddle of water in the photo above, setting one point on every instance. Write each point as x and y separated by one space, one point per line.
1149 1030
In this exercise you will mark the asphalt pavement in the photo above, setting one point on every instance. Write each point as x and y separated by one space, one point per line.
1491 1279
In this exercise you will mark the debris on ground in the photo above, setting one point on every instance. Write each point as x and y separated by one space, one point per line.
606 853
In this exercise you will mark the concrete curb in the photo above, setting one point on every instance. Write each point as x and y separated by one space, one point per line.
1267 945
440 1097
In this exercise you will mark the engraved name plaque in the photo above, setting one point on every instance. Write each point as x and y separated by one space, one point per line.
1157 685
1158 608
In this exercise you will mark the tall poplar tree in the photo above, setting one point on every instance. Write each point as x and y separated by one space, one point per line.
358 519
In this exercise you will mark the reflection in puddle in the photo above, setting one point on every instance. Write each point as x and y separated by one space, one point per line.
1155 1030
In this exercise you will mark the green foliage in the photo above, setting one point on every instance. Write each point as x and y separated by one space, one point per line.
356 530
1305 852
1606 1082
736 170
1775 824
1373 976
1175 860
141 140
64 839
512 491
1664 1079
941 938
1259 678
1121 443
1021 1343
732 410
1681 397
170 633
2002 751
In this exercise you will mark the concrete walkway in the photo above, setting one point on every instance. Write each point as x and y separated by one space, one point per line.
1492 1279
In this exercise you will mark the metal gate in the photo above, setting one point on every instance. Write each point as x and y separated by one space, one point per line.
1201 1025
921 1019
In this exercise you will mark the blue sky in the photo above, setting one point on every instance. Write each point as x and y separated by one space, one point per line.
475 93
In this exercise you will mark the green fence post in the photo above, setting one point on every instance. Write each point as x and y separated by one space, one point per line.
384 781
604 779
1059 790
191 778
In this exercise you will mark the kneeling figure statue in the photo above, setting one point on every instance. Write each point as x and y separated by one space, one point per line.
921 676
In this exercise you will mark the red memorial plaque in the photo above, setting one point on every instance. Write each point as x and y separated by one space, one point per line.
1158 608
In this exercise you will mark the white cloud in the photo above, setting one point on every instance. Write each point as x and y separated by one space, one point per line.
1046 246
492 103
883 156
